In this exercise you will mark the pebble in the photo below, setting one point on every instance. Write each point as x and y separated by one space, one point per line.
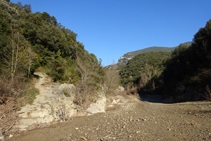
10 136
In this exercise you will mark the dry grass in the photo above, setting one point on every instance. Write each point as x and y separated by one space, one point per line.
8 116
13 95
84 99
9 92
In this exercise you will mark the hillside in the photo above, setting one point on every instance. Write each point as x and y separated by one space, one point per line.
124 59
184 74
36 42
143 69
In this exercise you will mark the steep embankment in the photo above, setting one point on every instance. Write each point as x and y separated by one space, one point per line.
134 120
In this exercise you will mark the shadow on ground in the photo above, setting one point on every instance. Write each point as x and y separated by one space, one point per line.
154 98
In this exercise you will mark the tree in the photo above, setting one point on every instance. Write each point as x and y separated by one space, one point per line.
28 57
112 78
15 47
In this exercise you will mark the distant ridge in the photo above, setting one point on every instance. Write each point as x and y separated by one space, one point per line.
124 59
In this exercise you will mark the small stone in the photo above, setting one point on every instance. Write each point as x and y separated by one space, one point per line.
76 128
137 132
144 119
1 136
10 136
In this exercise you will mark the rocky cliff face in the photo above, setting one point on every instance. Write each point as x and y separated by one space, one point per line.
124 59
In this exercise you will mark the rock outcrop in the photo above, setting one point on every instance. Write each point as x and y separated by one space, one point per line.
50 105
98 107
54 103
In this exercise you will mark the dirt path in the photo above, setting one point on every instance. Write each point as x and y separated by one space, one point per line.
135 120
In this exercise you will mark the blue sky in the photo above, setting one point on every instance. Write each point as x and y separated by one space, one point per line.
111 28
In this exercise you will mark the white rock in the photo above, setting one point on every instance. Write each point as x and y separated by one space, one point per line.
41 120
41 113
98 107
48 105
120 88
1 136
23 115
10 136
49 118
27 122
114 102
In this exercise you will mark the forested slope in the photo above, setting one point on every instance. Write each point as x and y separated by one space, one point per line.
188 73
143 69
36 41
184 74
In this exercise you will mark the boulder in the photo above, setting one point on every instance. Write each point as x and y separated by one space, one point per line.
98 107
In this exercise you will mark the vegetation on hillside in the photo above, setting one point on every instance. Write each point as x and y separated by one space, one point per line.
143 69
188 73
124 59
185 74
31 41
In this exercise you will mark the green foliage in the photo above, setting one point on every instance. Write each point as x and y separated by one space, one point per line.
28 96
190 68
4 34
142 68
31 94
32 40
